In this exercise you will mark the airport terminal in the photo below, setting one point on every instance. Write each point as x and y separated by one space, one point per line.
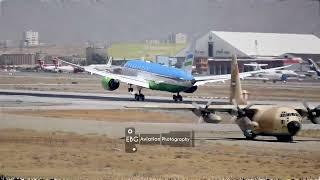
207 90
213 50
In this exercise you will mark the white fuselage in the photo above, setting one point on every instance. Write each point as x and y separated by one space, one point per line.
65 68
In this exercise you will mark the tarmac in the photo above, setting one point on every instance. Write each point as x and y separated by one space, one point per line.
12 99
30 135
38 100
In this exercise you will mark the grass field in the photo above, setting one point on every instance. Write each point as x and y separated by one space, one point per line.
139 50
66 155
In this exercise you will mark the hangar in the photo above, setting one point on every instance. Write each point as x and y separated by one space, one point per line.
214 49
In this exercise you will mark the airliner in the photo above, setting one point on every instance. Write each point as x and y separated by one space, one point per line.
272 75
62 68
47 67
145 74
71 69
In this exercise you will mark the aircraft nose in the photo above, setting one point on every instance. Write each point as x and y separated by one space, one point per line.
293 127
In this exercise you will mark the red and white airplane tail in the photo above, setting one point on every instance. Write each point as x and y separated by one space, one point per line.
56 62
41 63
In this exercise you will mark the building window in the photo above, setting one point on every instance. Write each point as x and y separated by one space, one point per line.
210 49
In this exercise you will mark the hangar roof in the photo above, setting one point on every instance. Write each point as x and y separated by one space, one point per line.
271 44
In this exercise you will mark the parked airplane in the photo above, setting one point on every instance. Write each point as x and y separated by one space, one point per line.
144 74
283 122
65 68
272 75
314 68
47 67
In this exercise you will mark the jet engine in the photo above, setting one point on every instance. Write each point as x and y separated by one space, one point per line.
77 70
110 84
191 89
284 77
205 115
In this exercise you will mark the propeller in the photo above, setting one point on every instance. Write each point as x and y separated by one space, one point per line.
312 114
204 114
237 111
244 122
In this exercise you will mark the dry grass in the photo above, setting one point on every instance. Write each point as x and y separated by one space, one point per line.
314 133
116 115
68 155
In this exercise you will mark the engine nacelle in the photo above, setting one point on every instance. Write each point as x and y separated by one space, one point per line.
212 118
77 70
110 84
284 77
315 120
191 90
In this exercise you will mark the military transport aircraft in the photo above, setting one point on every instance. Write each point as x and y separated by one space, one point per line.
254 120
144 74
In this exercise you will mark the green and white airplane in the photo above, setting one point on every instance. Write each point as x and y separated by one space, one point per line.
144 74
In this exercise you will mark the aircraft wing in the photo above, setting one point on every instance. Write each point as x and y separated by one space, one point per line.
202 80
276 68
227 108
182 107
123 78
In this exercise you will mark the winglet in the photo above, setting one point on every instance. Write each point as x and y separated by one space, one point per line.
236 91
109 63
188 62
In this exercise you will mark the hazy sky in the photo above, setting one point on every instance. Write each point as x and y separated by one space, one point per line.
65 21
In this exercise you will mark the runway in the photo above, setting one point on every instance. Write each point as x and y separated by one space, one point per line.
94 96
78 130
35 100
110 100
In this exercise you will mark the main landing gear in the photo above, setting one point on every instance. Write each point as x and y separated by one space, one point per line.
137 96
130 89
177 97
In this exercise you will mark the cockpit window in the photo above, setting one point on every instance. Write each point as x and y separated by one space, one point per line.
284 114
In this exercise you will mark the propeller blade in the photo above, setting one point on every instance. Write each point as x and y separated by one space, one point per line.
305 104
208 104
234 102
249 106
200 120
313 114
234 112
194 104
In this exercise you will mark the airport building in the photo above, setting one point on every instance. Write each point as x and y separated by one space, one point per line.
177 38
95 55
30 38
213 50
17 59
